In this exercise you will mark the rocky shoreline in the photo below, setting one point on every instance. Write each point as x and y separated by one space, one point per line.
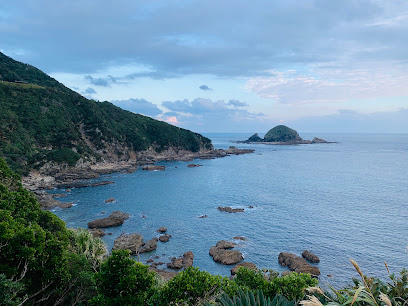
57 176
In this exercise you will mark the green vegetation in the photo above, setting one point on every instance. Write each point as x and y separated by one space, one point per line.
282 133
44 121
250 299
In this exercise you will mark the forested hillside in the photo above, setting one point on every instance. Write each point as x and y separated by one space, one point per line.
41 120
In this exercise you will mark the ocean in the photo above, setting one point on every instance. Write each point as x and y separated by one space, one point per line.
341 200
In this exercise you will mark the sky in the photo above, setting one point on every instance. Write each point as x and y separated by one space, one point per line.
225 66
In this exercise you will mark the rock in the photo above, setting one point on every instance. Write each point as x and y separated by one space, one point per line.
73 185
310 257
110 200
165 275
255 138
239 238
97 233
149 260
101 183
176 263
164 238
318 140
65 205
250 206
297 264
285 273
329 275
149 246
247 265
226 257
154 168
103 212
68 190
59 195
193 165
132 242
162 230
203 216
229 209
223 244
157 256
116 218
188 259
47 201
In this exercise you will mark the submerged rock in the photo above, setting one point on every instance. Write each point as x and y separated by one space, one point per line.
310 257
164 238
297 264
193 165
154 167
110 200
116 218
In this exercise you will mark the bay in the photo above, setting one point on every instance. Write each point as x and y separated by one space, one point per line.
343 200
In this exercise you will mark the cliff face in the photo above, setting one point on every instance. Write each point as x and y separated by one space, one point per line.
45 125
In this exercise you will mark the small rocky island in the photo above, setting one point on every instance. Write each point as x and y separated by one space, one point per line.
282 135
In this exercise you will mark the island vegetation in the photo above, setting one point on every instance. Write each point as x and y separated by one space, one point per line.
281 135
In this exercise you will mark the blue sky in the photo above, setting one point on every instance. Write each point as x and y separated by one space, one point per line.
225 66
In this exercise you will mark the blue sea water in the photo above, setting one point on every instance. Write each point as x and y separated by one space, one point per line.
341 200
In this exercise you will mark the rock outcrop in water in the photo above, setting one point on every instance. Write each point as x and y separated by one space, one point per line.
246 265
281 135
310 257
230 210
134 243
116 218
222 254
297 264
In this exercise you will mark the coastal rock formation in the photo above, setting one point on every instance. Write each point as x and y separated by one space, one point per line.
149 246
162 229
318 140
176 263
225 256
239 238
182 262
223 244
164 238
247 265
102 183
193 165
297 264
310 257
97 233
281 135
131 242
116 218
188 259
154 168
230 210
47 200
285 273
110 200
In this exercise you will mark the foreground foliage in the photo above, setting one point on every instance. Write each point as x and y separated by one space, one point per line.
44 263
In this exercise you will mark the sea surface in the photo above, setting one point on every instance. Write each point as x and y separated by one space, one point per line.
341 200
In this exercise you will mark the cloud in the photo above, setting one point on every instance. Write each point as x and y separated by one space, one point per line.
104 82
349 121
140 106
207 37
237 103
89 91
205 87
331 84
202 107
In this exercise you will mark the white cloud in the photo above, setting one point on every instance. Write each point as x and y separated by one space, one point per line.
331 84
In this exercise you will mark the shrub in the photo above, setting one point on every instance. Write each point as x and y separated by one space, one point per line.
122 281
191 287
